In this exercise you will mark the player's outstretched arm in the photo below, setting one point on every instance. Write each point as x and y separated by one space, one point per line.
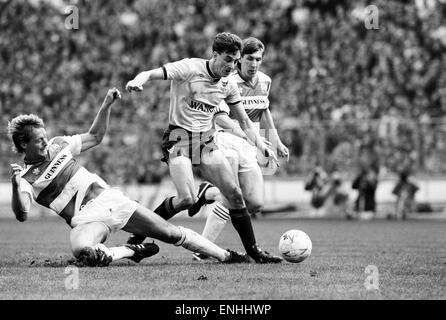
268 122
137 83
99 127
21 202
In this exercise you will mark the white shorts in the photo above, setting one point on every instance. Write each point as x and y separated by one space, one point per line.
237 149
111 207
267 166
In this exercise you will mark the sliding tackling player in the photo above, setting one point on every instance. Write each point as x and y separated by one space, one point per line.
54 179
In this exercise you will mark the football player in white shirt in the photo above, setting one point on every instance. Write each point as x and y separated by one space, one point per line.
53 178
197 88
254 86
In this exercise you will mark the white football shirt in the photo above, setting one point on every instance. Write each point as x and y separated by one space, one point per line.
195 93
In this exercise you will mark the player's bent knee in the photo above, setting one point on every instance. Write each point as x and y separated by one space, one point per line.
254 207
78 241
235 196
77 247
254 203
86 235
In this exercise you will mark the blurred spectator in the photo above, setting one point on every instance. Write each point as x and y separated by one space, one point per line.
366 183
405 190
316 182
337 205
328 197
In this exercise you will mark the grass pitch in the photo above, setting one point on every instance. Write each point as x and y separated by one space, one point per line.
409 256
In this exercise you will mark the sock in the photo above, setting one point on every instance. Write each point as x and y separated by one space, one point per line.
116 253
166 209
135 239
192 241
215 222
242 223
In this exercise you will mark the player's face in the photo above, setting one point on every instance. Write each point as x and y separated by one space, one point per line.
250 64
37 145
225 63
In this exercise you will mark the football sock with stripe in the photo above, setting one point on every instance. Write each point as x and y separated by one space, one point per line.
215 222
192 241
165 210
242 223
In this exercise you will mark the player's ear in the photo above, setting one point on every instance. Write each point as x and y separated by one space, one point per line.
23 145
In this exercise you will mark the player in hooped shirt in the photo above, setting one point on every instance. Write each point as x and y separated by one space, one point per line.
54 179
197 88
254 86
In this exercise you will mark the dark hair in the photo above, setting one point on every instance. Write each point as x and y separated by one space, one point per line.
226 42
20 128
251 45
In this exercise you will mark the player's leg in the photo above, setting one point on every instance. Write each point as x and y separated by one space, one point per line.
214 194
207 193
215 221
251 183
219 212
147 223
176 147
248 176
180 170
216 169
87 245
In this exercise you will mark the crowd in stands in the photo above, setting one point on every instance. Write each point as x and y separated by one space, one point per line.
369 92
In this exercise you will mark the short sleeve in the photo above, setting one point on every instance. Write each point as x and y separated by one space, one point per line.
222 108
178 70
74 143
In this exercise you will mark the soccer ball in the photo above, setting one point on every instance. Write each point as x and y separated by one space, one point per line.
295 246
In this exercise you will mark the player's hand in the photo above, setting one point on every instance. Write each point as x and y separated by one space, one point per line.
15 174
283 151
112 95
269 153
265 141
132 85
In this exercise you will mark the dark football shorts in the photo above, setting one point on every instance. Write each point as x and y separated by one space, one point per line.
178 141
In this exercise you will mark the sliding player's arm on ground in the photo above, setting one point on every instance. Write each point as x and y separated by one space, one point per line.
250 130
99 127
137 83
268 124
21 201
